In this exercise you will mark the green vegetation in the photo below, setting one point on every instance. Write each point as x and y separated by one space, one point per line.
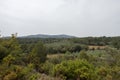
75 70
91 58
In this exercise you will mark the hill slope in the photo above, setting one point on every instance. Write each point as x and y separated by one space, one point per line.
48 36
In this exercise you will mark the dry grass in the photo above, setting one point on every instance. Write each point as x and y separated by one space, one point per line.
96 47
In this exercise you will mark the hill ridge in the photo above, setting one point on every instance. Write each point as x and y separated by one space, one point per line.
48 36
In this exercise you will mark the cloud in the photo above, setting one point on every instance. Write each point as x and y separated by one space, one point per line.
75 17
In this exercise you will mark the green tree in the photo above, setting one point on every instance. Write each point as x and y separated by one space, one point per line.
8 60
11 44
39 52
38 55
3 52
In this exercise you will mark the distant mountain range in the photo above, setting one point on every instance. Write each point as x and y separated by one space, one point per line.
48 36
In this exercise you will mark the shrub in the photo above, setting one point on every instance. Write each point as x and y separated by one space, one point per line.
76 69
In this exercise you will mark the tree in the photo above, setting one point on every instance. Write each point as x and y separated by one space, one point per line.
3 52
11 44
9 60
38 53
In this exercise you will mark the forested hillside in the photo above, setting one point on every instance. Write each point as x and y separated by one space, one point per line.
90 58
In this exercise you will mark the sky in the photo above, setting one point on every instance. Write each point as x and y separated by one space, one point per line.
80 18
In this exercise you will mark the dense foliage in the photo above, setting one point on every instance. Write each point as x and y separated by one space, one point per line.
60 59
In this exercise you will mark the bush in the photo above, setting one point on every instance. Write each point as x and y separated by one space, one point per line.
3 52
47 68
10 76
76 69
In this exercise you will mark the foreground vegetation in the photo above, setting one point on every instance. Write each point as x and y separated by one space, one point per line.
60 59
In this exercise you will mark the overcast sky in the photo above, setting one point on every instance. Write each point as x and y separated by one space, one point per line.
74 17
